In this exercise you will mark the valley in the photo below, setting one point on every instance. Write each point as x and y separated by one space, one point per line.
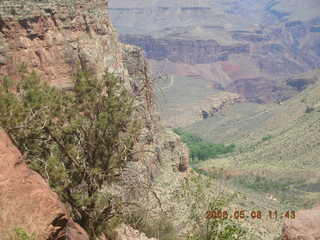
243 73
250 48
159 120
281 145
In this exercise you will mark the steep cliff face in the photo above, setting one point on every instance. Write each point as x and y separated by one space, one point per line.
55 39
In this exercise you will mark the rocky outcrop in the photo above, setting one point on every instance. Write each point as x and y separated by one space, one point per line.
55 39
218 102
28 203
185 51
185 114
305 226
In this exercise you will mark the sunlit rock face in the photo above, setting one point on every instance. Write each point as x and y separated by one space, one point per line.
56 40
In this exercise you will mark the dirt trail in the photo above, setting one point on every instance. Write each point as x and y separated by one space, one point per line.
170 84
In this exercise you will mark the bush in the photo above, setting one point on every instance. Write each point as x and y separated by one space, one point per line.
21 234
200 149
266 138
79 141
309 109
201 200
160 226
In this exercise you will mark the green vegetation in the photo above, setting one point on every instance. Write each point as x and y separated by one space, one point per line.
266 138
229 231
201 150
21 234
201 196
309 109
78 141
160 227
293 192
262 184
277 147
200 201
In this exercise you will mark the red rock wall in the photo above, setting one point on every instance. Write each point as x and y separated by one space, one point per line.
27 201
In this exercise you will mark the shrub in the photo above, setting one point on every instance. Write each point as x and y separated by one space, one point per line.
309 109
79 141
158 226
21 234
266 138
200 200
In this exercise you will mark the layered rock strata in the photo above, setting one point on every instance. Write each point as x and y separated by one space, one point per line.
55 39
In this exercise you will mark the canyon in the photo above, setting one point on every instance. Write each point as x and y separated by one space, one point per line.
242 72
251 48
264 52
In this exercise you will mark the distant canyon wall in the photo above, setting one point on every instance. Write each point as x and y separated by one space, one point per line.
268 58
184 51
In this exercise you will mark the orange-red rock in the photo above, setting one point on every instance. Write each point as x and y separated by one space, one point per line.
27 202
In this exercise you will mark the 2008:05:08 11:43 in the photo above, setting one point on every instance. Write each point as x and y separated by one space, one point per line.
244 214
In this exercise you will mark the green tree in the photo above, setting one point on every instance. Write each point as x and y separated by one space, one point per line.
78 140
200 149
